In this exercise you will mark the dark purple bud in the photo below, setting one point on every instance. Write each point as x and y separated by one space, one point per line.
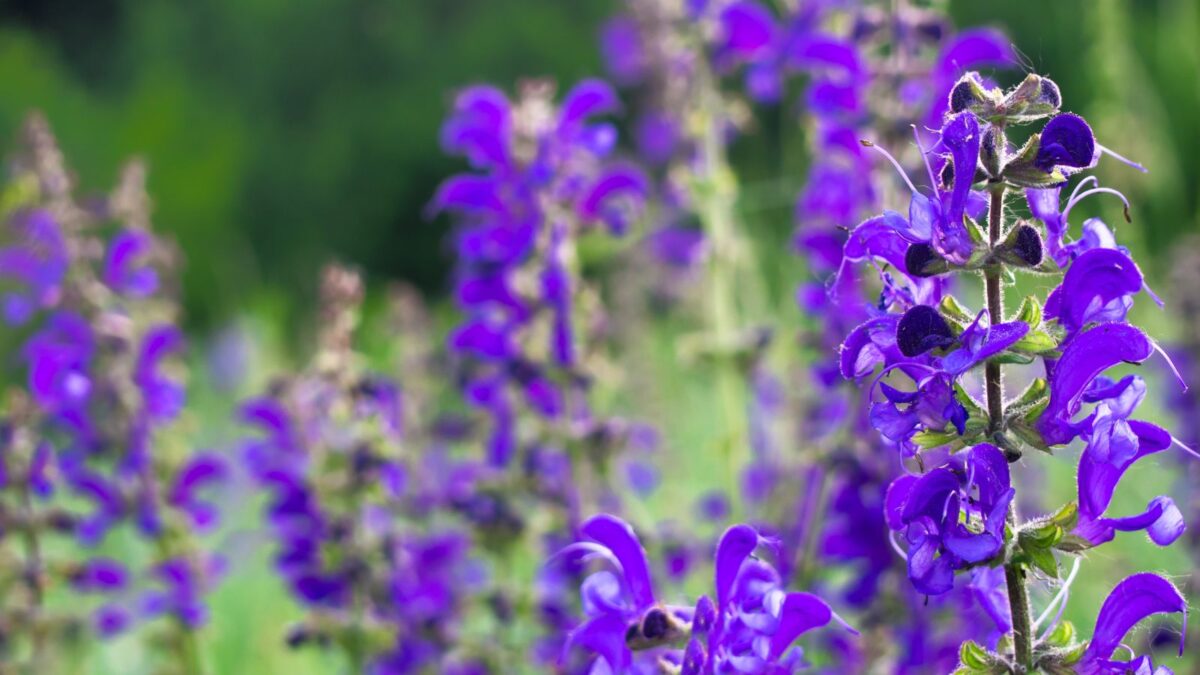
1049 93
1023 247
920 260
1068 141
655 625
967 92
1028 245
922 329
962 96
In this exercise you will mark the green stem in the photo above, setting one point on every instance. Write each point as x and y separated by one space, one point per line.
1014 574
33 578
717 196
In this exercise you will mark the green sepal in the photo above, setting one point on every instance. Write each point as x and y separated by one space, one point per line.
1036 342
1073 543
973 659
1036 391
1030 311
1043 559
1062 635
950 308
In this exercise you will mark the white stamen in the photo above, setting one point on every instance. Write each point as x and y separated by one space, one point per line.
933 182
896 164
1124 160
1059 599
1094 191
1178 375
1185 448
896 546
1090 180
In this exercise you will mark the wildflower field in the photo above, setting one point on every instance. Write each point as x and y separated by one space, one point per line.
648 336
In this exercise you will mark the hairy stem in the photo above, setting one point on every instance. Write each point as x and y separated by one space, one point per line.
1014 575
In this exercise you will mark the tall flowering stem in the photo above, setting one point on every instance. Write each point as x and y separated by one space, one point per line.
1014 576
956 511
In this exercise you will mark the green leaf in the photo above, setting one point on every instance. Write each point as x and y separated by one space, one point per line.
1009 358
1027 435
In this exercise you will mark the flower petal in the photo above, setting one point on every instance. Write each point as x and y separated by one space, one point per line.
618 537
1134 599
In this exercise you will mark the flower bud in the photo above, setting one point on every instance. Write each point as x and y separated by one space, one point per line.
922 261
922 329
1022 247
1036 97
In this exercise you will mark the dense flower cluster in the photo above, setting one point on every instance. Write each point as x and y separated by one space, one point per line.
82 455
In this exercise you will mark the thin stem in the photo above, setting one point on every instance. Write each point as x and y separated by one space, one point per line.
1014 575
993 376
716 213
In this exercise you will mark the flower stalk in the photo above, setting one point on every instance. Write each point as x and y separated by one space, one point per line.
1014 575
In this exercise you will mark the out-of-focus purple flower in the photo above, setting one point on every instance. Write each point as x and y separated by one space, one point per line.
38 263
623 51
100 575
59 357
200 471
163 397
677 246
181 591
125 267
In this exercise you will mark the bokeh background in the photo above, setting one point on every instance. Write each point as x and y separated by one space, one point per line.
281 135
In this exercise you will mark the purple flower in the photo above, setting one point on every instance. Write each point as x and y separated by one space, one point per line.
757 620
981 341
38 263
1134 599
619 605
200 471
59 358
162 397
1084 357
102 575
1098 287
125 268
1067 143
952 516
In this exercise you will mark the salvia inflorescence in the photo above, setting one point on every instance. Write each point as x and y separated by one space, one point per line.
487 498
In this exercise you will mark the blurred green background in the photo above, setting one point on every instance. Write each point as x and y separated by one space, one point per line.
281 134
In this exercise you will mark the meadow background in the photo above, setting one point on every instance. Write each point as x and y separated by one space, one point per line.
281 135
